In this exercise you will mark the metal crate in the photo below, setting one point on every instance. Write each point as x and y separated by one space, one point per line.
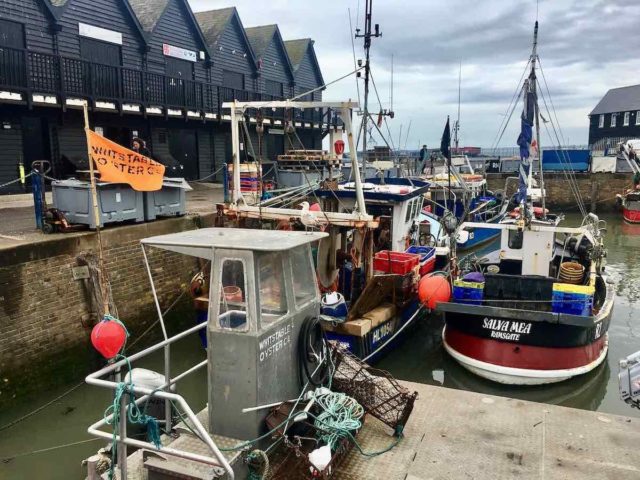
169 201
116 202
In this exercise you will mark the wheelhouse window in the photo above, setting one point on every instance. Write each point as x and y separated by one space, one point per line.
515 239
638 117
304 283
233 301
627 115
601 121
614 118
273 300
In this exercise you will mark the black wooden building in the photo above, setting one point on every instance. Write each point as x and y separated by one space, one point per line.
148 68
616 118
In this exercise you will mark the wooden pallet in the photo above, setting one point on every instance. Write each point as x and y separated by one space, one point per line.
309 164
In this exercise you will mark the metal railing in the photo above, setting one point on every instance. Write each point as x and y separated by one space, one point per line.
44 73
217 459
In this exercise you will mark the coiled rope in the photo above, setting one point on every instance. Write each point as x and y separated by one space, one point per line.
341 415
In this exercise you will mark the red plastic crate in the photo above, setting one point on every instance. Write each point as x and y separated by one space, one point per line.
427 266
395 262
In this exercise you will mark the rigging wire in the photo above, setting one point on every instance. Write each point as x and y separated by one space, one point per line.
567 170
507 115
353 49
322 87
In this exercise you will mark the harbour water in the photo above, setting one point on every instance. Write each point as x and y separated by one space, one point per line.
420 359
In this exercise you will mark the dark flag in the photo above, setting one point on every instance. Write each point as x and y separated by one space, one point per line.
525 139
445 143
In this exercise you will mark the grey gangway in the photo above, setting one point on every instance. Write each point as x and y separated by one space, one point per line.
262 288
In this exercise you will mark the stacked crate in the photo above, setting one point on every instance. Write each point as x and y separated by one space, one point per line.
572 299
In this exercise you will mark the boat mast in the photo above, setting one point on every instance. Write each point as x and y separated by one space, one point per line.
533 86
456 128
367 35
534 57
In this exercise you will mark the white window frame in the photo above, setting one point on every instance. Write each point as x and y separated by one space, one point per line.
614 120
601 121
625 121
221 286
638 117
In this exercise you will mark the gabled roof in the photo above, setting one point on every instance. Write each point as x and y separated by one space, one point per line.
58 8
214 22
623 99
149 12
260 39
53 7
297 49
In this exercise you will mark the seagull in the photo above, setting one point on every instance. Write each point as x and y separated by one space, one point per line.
308 218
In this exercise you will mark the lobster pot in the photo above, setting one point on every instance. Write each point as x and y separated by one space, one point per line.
250 175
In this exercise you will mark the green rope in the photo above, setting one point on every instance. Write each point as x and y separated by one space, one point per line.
340 415
258 465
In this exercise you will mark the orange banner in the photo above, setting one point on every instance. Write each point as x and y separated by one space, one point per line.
118 164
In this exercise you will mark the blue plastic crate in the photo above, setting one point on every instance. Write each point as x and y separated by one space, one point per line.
572 303
424 252
470 293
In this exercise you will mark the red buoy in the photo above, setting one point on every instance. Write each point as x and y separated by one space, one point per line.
434 289
339 147
108 337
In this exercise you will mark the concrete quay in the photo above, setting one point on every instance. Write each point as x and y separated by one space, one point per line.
454 435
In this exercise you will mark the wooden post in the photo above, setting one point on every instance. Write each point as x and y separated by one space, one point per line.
96 213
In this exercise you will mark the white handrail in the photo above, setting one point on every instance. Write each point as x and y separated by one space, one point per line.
218 459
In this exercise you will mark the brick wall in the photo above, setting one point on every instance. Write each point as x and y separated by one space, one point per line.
46 315
598 190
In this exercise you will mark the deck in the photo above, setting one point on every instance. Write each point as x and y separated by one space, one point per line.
454 434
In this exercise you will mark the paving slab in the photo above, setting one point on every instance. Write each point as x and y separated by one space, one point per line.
453 434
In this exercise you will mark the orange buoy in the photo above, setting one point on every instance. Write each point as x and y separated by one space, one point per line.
434 289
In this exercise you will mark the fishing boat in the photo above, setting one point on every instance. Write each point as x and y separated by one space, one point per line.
537 310
629 201
370 263
630 204
467 196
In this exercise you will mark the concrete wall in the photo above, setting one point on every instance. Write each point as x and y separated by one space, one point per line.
46 316
596 189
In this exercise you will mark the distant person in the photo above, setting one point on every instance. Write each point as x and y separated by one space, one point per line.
422 160
140 146
433 163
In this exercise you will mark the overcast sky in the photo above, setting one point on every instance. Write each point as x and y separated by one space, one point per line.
586 47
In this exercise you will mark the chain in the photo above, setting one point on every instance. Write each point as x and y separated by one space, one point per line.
16 180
